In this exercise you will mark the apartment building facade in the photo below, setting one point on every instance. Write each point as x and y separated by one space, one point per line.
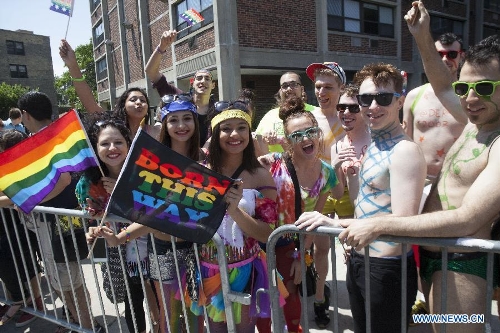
250 43
25 59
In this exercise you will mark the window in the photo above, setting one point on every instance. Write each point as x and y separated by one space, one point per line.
14 47
102 69
99 34
492 5
95 3
360 17
18 71
441 25
489 31
204 7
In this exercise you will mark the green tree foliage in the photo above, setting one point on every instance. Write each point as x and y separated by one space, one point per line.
9 94
66 94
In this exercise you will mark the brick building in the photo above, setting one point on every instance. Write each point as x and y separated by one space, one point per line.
25 59
250 43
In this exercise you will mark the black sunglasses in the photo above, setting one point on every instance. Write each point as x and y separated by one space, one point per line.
382 99
167 99
482 88
353 108
449 54
225 105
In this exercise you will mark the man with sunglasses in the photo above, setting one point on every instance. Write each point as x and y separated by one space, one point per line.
427 121
202 83
464 202
270 132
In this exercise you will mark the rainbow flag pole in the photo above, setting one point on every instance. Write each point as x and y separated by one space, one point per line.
192 17
65 7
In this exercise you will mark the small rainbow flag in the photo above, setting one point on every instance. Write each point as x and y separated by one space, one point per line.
63 6
191 16
30 170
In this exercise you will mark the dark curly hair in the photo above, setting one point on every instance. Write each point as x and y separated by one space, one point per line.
9 138
119 110
94 123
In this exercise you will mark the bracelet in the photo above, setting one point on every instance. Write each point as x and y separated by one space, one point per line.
127 235
160 51
78 80
296 255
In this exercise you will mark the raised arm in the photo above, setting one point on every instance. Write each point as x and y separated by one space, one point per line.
82 88
153 66
439 76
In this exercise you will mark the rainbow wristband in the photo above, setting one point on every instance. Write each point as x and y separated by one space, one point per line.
127 235
160 51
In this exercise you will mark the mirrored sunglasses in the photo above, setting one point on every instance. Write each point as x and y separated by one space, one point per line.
298 136
170 98
353 108
382 99
482 88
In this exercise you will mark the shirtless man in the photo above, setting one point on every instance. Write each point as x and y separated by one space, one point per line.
463 204
391 180
429 123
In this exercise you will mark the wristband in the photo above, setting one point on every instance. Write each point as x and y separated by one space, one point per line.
160 51
127 235
78 80
296 255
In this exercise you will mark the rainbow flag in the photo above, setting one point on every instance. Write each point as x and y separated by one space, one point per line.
63 6
30 170
191 16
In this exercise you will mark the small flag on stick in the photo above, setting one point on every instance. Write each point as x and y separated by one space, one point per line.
192 17
30 170
63 6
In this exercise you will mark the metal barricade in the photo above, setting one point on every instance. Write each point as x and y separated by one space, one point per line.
84 283
479 245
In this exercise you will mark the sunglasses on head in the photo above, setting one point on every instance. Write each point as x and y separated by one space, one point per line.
105 123
167 99
353 108
482 88
225 105
291 84
298 136
382 99
449 54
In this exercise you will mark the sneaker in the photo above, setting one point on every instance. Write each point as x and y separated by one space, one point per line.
420 307
25 319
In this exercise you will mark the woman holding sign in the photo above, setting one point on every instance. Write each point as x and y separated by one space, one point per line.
250 218
180 132
111 141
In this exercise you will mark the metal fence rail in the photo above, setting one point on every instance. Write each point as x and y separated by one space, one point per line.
91 302
471 244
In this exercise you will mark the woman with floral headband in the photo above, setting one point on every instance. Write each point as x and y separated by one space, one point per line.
180 132
250 218
299 167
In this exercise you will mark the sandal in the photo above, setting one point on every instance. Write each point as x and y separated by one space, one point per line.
13 309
